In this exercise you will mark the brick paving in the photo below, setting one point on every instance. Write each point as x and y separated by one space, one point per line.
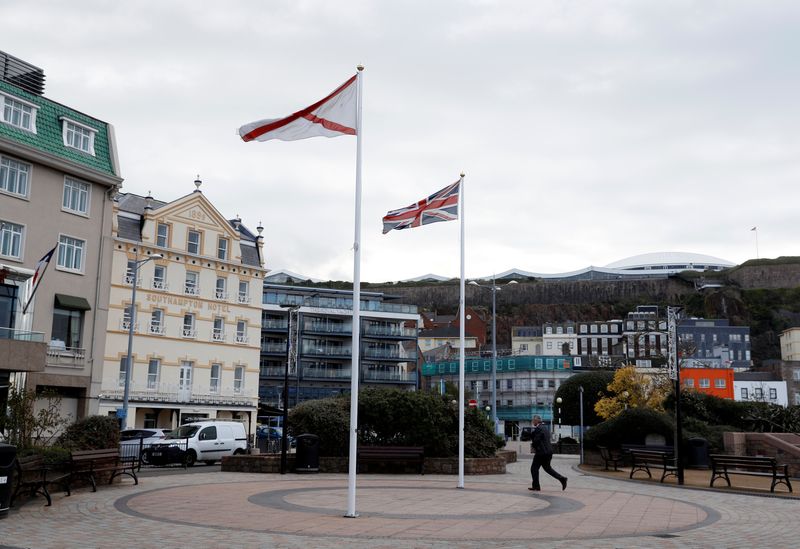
303 511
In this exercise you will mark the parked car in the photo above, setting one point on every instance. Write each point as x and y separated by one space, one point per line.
140 440
273 434
206 441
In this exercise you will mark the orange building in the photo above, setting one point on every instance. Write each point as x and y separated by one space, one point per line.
711 381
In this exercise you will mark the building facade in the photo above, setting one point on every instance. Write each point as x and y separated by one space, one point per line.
790 344
526 340
559 338
58 173
706 340
196 319
524 385
711 381
760 387
644 340
309 331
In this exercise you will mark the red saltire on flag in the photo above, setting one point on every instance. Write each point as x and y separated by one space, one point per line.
332 116
440 206
41 266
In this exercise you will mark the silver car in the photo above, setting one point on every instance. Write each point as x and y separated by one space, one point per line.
138 441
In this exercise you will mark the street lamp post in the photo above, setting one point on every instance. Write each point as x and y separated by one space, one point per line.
131 324
580 388
494 289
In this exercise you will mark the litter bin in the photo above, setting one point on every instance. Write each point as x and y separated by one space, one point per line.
697 453
8 454
306 458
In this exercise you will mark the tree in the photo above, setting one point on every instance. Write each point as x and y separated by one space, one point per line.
595 386
630 389
26 428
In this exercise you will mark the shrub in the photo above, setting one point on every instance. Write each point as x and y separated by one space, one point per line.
595 386
91 433
630 427
328 418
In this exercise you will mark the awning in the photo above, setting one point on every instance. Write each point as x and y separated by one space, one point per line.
72 302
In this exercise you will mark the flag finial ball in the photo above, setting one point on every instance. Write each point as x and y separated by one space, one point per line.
463 174
360 67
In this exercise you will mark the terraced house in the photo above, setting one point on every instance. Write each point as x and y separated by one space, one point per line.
58 173
196 316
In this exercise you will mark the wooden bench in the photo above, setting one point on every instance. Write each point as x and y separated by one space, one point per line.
641 460
611 457
88 463
723 465
383 454
33 475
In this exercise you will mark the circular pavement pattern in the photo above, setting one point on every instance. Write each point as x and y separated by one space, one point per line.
424 511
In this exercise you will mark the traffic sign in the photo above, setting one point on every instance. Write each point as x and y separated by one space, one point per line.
473 403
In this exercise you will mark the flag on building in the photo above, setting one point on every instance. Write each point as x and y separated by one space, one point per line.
332 116
440 206
754 228
41 267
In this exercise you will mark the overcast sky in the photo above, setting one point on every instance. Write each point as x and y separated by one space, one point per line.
589 131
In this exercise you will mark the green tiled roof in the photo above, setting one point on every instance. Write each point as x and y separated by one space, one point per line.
48 137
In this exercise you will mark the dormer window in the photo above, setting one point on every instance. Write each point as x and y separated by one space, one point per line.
19 113
78 136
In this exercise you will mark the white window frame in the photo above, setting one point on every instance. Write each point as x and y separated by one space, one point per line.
743 393
238 379
758 393
688 383
123 366
705 383
213 384
191 284
190 243
773 393
220 290
241 331
72 188
11 101
244 296
10 238
153 378
157 322
65 240
159 283
188 330
223 251
218 329
11 166
73 128
719 383
165 235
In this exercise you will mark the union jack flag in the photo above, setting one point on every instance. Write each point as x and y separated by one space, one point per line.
440 206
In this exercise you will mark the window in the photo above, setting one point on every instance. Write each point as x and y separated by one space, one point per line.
689 383
67 327
218 333
509 403
219 291
193 245
157 322
559 330
123 366
188 326
796 374
159 277
551 383
191 287
129 272
238 379
509 384
152 373
549 345
540 384
704 383
604 328
758 393
222 248
214 383
582 328
162 235
10 240
126 318
743 392
719 383
76 196
244 291
19 113
773 393
523 347
241 331
484 384
78 136
14 176
593 328
70 253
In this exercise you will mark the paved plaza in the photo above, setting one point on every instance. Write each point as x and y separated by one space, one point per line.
217 509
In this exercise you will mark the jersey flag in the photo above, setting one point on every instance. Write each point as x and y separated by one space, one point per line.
331 116
440 206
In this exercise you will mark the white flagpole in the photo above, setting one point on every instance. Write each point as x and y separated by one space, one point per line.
355 364
461 343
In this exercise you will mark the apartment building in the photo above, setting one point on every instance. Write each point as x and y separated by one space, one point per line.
196 320
58 173
714 342
309 330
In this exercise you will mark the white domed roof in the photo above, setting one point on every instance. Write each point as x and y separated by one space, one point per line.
671 262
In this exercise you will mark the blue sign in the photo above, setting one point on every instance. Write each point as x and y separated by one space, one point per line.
122 413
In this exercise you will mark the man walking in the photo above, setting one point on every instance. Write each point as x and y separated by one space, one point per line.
542 455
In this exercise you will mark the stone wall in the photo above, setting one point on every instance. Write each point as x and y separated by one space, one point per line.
784 447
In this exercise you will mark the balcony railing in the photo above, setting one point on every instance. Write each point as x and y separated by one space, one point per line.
272 371
127 278
196 394
21 335
125 325
273 348
189 289
70 357
189 332
274 324
326 373
156 328
160 284
222 295
243 298
389 331
390 353
389 375
326 350
217 335
242 338
328 328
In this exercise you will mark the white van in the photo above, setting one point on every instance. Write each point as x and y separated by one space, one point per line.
206 441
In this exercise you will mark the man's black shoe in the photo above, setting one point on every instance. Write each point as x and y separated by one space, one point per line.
563 484
535 489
